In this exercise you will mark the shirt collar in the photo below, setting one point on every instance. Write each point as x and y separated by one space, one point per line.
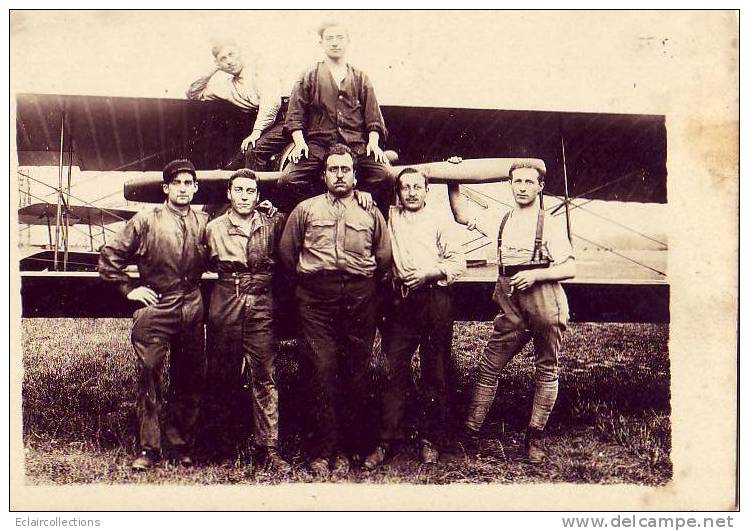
256 220
332 200
176 212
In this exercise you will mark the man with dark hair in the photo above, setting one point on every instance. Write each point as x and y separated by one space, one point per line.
337 250
426 261
242 248
167 242
533 254
335 102
241 85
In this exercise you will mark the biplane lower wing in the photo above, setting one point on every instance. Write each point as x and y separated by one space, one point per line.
83 294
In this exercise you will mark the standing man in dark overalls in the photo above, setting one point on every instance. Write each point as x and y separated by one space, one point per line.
533 254
167 242
242 246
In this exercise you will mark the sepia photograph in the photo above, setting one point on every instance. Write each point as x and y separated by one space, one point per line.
452 258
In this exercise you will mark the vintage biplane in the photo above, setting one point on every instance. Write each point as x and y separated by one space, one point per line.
590 157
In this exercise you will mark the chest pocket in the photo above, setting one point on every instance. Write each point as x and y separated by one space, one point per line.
321 233
358 238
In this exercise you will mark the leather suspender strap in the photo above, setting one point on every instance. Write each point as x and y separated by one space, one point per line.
539 236
499 236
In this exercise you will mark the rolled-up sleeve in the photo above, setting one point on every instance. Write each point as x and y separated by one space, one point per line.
452 262
291 239
372 113
270 102
296 115
196 90
557 242
382 247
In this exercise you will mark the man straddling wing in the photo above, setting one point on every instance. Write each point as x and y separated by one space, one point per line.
338 250
533 255
242 246
167 242
246 87
426 261
335 102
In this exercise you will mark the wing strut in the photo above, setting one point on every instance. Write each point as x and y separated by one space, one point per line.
566 192
58 219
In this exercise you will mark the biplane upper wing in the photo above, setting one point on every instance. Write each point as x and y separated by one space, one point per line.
143 134
606 156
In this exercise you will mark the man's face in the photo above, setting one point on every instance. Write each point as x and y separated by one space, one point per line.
525 186
339 174
334 41
229 60
412 191
181 190
243 195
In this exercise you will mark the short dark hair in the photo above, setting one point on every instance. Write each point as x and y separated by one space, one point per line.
243 173
220 45
408 171
330 24
532 164
338 149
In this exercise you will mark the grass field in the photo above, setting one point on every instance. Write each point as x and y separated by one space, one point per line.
611 423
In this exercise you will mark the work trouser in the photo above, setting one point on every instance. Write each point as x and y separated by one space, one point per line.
421 320
303 179
174 325
240 327
539 312
271 142
338 320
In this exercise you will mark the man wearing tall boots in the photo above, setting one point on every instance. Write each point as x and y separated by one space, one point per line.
533 254
167 242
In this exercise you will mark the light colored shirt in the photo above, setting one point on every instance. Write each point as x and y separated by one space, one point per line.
519 236
325 233
421 240
238 247
246 90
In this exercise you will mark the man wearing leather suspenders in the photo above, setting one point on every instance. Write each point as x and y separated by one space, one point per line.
533 254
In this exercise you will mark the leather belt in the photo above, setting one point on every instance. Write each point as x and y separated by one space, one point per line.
510 270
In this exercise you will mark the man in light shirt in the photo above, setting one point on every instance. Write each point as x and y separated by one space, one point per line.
426 261
233 80
533 254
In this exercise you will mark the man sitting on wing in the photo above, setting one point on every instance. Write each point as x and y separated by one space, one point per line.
245 86
533 254
334 102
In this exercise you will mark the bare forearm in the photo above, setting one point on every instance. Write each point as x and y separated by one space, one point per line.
458 204
298 137
197 88
563 271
